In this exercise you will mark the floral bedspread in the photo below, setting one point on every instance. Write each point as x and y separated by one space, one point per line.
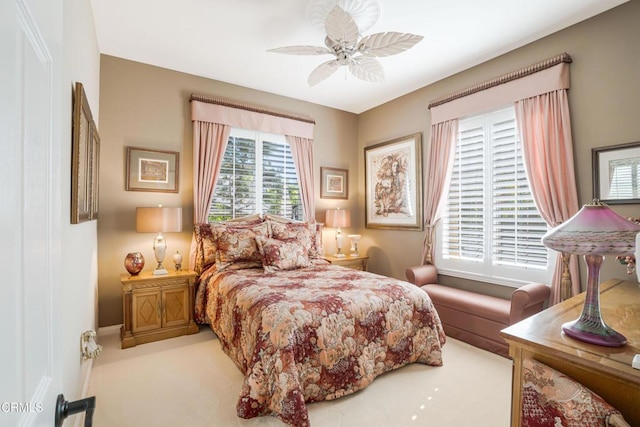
316 333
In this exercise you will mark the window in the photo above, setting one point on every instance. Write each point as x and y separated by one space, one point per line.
491 229
623 182
257 175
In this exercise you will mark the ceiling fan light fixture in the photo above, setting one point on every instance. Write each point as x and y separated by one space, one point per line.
365 13
341 41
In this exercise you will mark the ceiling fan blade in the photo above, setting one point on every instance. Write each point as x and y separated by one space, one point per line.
341 27
365 13
302 50
323 71
386 44
367 69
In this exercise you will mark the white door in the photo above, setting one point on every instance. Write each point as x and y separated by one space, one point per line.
30 210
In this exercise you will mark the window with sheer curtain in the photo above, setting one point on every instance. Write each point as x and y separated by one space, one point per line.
491 226
257 175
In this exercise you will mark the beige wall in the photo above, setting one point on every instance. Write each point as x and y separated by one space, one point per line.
604 101
145 106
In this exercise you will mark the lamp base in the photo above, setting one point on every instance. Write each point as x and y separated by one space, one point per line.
160 270
339 255
594 331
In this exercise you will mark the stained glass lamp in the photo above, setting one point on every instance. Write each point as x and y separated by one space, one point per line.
596 230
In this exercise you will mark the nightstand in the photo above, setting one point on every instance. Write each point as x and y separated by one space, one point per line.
355 262
157 307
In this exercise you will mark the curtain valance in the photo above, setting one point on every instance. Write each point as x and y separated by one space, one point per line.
246 117
543 77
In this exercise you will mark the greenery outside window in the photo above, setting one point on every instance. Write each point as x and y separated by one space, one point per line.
257 175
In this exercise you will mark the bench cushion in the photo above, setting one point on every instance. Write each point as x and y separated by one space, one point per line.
485 306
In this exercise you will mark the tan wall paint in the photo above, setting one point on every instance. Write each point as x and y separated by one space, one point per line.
146 106
604 101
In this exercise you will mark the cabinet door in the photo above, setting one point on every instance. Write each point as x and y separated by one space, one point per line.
176 306
145 308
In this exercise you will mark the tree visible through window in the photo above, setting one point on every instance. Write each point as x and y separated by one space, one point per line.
257 175
490 226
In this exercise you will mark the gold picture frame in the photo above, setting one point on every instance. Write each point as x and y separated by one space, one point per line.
152 170
334 183
85 160
393 184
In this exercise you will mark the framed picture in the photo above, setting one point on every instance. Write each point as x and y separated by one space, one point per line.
334 183
152 170
393 184
616 173
85 158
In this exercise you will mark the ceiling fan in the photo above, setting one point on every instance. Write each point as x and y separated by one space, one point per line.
341 41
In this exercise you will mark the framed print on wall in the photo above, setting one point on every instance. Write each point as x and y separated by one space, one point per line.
393 184
334 183
152 170
85 158
616 173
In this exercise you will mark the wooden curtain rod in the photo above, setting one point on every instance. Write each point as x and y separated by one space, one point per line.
247 107
523 72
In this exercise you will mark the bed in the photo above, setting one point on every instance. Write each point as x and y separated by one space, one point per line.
301 329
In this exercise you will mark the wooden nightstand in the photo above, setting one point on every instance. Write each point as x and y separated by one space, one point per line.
355 262
157 307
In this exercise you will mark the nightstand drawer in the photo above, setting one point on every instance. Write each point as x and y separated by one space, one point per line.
353 262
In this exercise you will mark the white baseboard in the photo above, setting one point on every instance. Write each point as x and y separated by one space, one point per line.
109 330
79 419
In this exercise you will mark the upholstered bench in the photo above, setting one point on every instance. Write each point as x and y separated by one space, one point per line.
476 318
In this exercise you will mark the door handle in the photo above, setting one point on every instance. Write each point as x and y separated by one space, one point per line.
65 408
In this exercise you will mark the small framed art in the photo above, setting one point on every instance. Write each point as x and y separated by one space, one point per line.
616 179
152 170
334 183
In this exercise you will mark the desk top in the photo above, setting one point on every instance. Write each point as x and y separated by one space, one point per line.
620 308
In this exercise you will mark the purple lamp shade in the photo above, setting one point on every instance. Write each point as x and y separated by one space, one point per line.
594 231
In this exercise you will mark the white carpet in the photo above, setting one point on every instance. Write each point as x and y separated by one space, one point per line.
189 381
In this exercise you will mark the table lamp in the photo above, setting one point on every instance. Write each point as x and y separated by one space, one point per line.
338 218
159 220
596 230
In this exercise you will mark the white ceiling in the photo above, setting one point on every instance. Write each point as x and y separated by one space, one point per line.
227 40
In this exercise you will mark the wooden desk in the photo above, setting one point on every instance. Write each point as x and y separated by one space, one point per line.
605 370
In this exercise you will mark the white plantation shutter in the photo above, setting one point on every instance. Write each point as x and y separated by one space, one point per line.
281 191
465 231
257 175
491 227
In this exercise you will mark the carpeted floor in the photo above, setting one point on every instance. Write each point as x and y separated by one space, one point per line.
189 381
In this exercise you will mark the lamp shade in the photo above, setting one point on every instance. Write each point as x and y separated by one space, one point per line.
337 218
595 230
158 220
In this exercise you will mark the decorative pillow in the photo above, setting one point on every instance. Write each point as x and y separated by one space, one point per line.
206 238
282 254
286 231
280 219
205 246
317 250
237 246
550 398
247 220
